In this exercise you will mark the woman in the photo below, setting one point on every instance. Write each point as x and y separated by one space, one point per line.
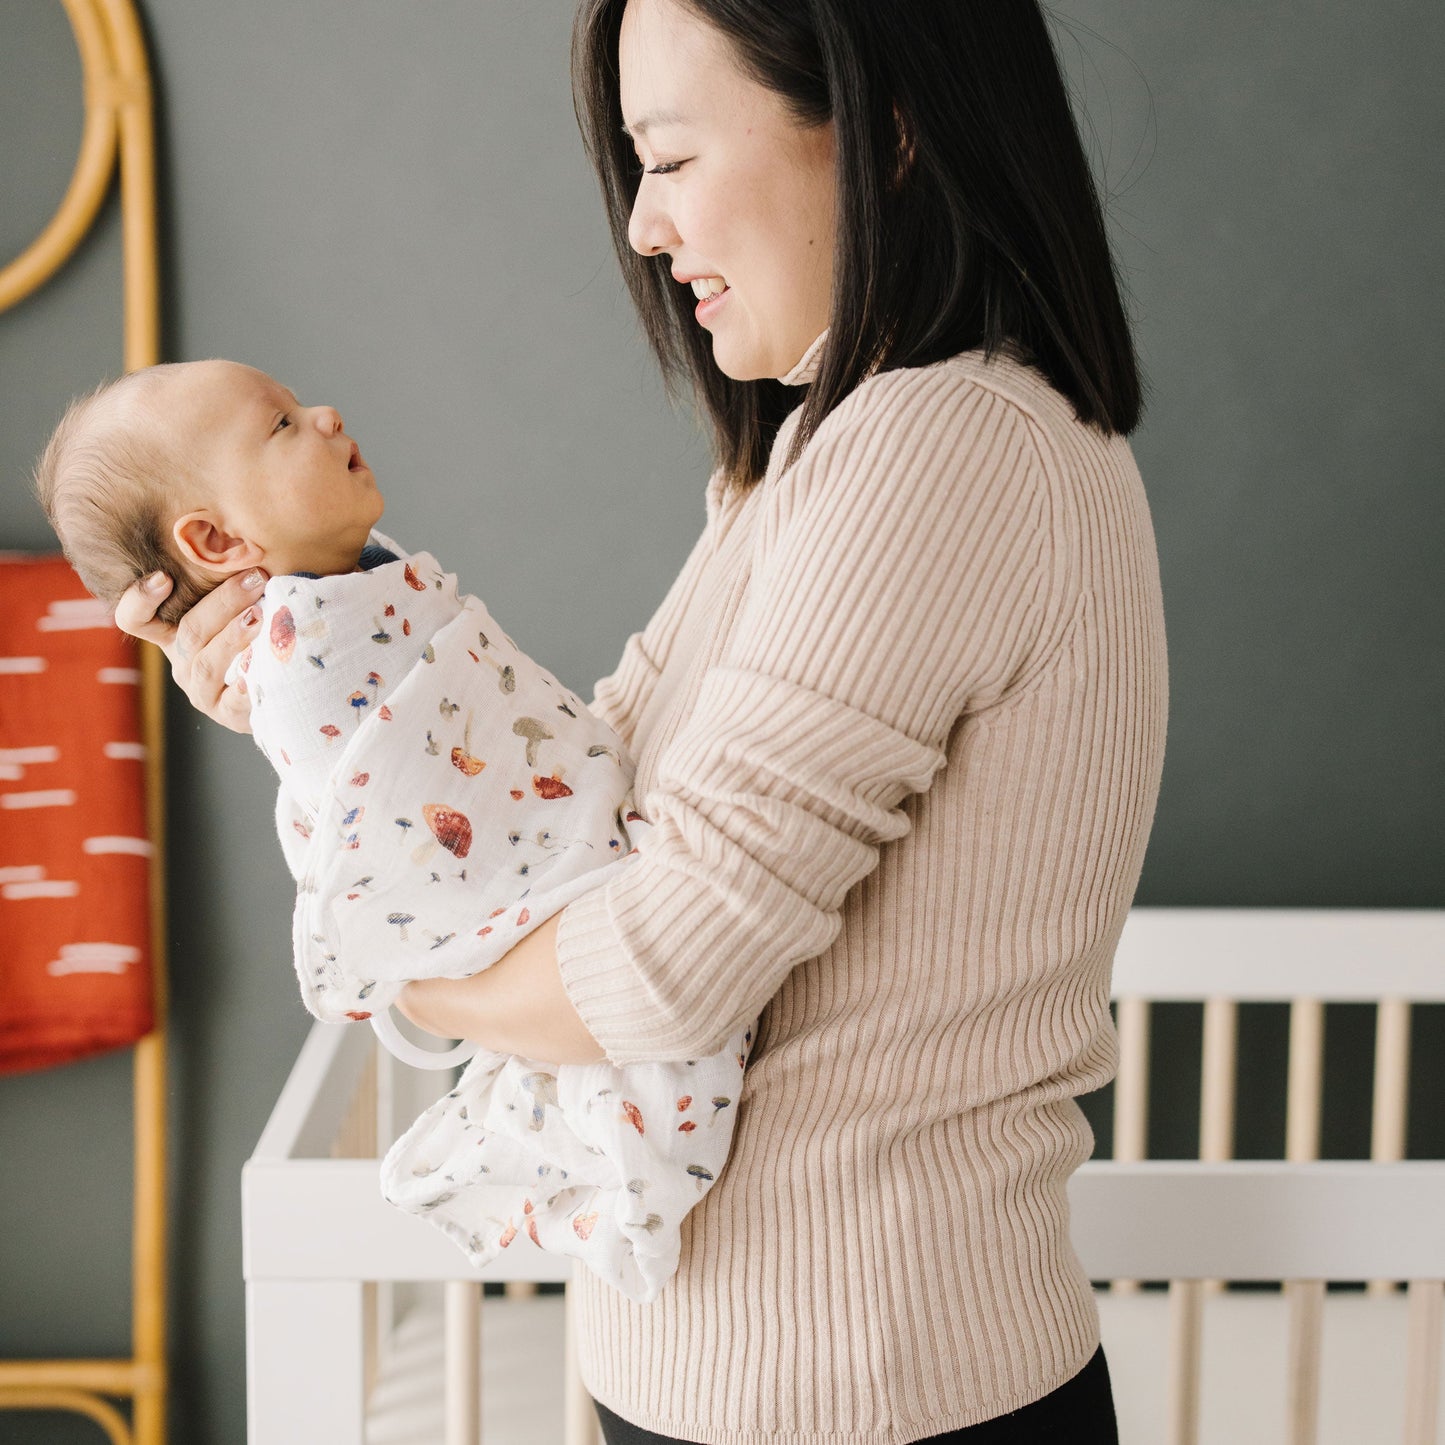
924 613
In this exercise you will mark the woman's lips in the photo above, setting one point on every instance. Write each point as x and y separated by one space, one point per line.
707 309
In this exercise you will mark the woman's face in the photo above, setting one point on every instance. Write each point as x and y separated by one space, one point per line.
735 192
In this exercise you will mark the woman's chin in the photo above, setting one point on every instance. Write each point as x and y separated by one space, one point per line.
739 366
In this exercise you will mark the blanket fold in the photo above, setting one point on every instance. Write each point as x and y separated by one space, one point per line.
441 794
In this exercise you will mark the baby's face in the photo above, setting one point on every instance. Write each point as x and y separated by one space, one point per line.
284 478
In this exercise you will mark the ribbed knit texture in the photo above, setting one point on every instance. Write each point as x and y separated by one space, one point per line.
899 724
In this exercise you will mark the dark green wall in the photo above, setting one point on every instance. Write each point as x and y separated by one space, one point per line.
388 207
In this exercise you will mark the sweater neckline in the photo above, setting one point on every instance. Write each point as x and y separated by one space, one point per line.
806 367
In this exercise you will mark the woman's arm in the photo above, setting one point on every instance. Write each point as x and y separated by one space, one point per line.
517 1006
204 643
918 561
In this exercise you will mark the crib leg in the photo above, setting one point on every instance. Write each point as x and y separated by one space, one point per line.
304 1352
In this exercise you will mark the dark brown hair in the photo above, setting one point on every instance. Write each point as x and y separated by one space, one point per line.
967 213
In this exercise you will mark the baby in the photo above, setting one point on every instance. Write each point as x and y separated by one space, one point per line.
441 795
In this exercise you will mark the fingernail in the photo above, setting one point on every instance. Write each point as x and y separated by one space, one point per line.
253 579
251 616
154 582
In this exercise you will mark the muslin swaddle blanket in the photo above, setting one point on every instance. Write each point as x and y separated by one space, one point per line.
442 795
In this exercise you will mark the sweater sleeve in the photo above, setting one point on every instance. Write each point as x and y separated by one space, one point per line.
621 697
907 569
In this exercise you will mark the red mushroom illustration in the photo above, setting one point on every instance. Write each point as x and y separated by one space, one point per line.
329 731
412 580
453 830
582 1224
633 1113
550 788
283 634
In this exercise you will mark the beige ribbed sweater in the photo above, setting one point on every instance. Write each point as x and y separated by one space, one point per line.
899 724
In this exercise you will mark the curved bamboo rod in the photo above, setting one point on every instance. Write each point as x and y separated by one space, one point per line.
118 125
90 180
80 1401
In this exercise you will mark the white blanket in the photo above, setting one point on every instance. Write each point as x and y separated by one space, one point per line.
441 796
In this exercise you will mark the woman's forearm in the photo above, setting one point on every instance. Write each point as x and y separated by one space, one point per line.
517 1006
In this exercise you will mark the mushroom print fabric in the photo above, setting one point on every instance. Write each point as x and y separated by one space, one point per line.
442 795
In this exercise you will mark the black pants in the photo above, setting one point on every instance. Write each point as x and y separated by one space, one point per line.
1079 1412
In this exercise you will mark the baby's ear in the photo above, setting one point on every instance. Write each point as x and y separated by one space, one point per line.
204 540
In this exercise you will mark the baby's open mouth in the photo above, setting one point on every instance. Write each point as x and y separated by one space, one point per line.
355 462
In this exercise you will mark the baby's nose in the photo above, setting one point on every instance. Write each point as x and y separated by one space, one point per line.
328 420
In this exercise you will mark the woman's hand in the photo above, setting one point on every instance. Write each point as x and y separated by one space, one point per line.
205 641
517 1006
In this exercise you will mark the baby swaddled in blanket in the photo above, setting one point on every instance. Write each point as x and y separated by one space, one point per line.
441 795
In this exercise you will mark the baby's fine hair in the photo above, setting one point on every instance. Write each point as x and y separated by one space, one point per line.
106 483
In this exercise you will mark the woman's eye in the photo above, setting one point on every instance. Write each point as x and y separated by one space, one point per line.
664 168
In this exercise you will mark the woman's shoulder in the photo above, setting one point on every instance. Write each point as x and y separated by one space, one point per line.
1017 390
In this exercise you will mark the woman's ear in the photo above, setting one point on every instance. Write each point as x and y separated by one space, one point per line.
202 539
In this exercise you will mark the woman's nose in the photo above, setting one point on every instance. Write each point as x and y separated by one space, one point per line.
328 421
650 228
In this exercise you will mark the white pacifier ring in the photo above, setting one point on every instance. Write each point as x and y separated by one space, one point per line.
384 1026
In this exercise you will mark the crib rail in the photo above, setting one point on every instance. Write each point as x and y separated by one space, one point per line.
1225 958
310 1219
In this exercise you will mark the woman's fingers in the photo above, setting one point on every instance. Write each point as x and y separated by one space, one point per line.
135 613
208 639
204 643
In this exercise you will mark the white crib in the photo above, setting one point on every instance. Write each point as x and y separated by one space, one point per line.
372 1332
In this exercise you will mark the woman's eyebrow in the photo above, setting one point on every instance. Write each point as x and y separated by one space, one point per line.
656 117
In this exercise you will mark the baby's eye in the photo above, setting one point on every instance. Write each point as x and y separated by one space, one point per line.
283 421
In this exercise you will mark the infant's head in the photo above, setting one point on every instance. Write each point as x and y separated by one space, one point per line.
201 469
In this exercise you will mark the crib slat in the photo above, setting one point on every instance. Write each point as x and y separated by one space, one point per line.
1131 1096
1302 1145
1424 1314
580 1422
463 1352
1216 1093
1392 1075
1306 1299
1186 1341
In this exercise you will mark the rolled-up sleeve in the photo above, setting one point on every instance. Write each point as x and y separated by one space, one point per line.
905 570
